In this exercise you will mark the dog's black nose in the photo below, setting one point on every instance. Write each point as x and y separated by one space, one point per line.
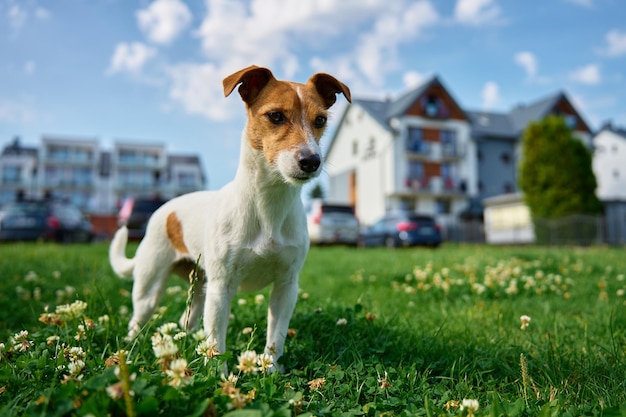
309 161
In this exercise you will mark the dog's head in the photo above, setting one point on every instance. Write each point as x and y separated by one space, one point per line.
286 119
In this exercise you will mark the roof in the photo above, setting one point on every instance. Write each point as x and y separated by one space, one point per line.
500 125
16 149
620 131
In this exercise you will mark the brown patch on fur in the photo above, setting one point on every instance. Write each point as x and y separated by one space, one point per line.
300 112
174 232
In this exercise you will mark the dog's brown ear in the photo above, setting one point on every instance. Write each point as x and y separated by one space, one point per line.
252 79
328 86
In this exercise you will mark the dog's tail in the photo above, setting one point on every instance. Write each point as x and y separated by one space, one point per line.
121 265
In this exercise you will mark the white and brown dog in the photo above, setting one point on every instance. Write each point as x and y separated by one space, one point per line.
253 231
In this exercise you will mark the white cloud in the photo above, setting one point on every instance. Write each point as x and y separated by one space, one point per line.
477 12
237 33
527 61
490 95
15 112
130 57
198 88
42 13
29 67
17 16
589 74
616 43
413 79
376 53
163 20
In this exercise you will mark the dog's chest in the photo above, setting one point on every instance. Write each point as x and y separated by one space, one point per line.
266 261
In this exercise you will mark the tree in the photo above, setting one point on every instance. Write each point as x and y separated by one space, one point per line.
317 191
556 172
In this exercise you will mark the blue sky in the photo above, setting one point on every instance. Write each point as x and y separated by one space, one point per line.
151 70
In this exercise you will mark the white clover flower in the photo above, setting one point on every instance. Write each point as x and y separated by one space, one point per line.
31 276
342 322
525 321
20 341
208 348
200 335
72 311
75 353
242 301
259 299
163 345
104 319
168 328
248 362
76 367
180 335
265 362
470 405
178 373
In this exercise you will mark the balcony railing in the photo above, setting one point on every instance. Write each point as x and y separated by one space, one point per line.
434 185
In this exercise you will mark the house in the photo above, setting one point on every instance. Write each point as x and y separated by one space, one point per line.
609 167
18 171
96 180
423 152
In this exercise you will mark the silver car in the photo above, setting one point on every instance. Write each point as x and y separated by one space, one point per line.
332 223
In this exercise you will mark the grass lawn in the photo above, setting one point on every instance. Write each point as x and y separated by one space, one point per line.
375 332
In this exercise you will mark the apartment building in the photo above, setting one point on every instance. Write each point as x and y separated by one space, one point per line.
94 179
424 152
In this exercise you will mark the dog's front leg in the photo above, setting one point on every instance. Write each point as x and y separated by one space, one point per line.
216 314
282 302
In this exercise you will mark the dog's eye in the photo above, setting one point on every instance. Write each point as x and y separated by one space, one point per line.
320 122
276 117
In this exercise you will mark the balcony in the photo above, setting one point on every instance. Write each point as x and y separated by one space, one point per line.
434 185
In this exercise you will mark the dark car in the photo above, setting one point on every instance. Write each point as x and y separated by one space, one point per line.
52 220
402 229
135 214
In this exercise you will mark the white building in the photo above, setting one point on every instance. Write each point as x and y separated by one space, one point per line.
95 180
609 167
423 152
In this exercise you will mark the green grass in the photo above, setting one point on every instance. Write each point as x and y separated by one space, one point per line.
422 330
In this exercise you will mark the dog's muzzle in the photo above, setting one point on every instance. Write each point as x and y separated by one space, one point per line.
309 161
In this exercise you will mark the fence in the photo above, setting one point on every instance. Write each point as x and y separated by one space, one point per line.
580 229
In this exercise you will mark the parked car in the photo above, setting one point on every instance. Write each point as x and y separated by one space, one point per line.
332 223
136 212
402 229
53 220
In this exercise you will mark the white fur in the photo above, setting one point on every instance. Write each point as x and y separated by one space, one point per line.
249 234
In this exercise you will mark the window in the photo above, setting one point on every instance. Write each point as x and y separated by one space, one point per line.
448 142
11 174
443 206
186 179
355 147
414 141
433 106
505 158
570 121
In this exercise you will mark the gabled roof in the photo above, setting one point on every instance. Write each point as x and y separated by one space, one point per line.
491 124
619 131
385 110
521 115
483 124
512 124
